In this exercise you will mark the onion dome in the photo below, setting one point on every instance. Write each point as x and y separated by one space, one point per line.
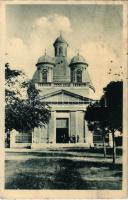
45 59
78 59
60 39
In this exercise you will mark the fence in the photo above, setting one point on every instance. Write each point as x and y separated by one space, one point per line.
23 138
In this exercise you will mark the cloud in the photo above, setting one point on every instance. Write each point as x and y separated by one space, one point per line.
53 23
45 30
100 58
17 53
43 33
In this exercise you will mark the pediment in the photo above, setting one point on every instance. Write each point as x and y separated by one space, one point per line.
63 96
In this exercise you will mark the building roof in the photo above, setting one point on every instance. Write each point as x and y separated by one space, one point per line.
60 39
45 59
78 59
65 92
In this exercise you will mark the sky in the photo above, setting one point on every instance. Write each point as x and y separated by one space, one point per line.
94 30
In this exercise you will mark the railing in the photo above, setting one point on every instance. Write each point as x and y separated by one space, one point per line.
44 84
62 84
65 102
23 138
79 84
58 84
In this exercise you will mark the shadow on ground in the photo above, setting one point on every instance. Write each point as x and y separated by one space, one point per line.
51 173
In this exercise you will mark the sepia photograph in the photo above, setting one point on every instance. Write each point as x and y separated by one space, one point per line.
65 73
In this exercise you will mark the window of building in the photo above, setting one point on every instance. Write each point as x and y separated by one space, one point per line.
55 51
44 76
79 76
61 51
72 76
60 62
62 123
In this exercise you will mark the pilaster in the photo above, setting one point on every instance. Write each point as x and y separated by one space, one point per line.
73 123
80 126
52 128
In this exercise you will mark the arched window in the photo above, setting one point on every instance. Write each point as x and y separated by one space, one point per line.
79 76
61 51
72 76
44 75
55 51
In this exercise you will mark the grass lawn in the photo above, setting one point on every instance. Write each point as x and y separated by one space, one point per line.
56 173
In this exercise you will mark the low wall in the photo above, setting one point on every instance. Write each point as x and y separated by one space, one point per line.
20 140
20 145
42 145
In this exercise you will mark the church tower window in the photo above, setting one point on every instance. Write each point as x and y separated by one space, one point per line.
72 76
79 76
44 76
60 51
60 46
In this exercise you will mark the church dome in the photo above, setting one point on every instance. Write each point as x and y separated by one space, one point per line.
45 59
59 39
78 59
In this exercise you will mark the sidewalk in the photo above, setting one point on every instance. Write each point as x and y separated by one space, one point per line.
25 154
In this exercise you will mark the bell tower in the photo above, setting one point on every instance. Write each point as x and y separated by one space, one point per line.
60 47
61 69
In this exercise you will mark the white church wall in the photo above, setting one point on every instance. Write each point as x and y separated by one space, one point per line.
80 126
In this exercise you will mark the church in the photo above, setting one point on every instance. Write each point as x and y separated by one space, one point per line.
65 85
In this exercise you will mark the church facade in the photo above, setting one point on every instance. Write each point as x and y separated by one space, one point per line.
65 85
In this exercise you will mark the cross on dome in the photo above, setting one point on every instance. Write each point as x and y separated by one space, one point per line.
45 52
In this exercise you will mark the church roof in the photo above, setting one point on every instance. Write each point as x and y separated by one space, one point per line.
65 92
45 59
78 59
60 39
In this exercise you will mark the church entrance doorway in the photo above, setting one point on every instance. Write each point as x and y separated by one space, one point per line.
62 130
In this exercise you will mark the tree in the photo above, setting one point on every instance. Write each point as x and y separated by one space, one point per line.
97 120
113 94
108 111
13 84
24 109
